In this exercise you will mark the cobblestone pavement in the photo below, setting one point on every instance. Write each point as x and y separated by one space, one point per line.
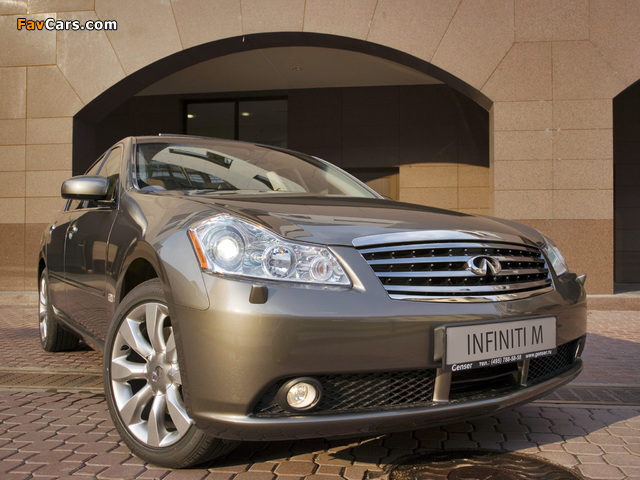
47 435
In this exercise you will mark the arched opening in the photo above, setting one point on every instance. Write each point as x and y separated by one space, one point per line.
626 197
409 129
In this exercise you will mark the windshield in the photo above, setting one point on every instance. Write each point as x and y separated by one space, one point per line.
241 168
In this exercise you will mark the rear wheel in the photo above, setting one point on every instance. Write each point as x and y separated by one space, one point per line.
53 337
143 385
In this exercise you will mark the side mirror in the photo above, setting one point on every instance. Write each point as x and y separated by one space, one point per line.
85 187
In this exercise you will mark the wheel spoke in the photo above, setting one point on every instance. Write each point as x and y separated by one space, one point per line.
172 354
156 428
177 411
175 374
123 370
130 331
131 411
154 315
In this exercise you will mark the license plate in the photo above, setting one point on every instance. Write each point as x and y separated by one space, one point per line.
489 344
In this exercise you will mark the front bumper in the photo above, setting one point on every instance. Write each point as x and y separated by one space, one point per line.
236 352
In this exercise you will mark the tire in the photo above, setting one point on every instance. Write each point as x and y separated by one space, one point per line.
143 386
53 336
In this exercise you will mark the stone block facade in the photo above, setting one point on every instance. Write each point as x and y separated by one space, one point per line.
550 70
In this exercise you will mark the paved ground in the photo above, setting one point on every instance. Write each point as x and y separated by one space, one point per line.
592 427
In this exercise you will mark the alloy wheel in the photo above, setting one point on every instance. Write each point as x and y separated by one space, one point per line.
145 377
43 307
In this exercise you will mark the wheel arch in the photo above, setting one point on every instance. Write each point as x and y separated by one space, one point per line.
172 261
141 264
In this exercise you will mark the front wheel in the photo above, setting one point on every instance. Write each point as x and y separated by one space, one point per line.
143 385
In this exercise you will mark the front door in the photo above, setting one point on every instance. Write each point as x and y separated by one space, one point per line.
86 249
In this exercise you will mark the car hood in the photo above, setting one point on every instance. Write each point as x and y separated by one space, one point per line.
341 220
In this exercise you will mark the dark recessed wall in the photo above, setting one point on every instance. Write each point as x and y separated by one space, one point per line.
377 127
626 198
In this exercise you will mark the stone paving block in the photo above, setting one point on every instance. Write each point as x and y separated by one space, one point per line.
559 458
623 431
331 459
89 471
224 468
263 467
633 449
153 473
24 468
583 448
250 476
355 473
119 472
329 470
295 468
95 448
370 452
218 476
18 457
603 439
590 459
430 434
545 438
56 469
47 457
322 476
552 447
460 445
601 472
395 456
622 460
17 476
108 459
458 428
42 446
487 436
631 472
400 442
302 457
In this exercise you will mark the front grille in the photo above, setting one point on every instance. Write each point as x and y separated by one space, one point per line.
545 368
439 270
361 392
472 383
385 391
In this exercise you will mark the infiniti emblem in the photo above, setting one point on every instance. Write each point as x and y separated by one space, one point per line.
155 375
484 265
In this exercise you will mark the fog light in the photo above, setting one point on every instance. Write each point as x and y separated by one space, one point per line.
300 394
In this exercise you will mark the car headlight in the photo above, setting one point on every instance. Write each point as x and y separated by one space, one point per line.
231 246
555 257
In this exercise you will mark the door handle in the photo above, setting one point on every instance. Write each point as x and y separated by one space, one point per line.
73 229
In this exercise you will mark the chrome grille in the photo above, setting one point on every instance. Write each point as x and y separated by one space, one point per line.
438 270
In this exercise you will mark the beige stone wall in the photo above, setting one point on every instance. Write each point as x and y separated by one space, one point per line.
552 68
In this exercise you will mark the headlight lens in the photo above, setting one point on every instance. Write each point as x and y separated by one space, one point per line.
555 257
227 245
